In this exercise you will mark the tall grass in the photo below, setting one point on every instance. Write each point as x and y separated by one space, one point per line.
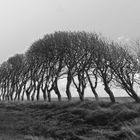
70 120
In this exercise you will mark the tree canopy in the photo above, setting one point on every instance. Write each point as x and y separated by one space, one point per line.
81 58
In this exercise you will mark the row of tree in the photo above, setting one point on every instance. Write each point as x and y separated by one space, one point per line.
82 58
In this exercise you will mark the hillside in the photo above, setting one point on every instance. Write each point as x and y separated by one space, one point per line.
74 120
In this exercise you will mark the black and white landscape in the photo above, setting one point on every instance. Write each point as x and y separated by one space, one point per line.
69 70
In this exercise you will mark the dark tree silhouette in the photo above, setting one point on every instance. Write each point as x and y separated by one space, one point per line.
125 67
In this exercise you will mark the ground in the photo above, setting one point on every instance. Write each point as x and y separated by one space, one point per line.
73 120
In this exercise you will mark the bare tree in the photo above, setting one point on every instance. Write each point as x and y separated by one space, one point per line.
125 67
102 58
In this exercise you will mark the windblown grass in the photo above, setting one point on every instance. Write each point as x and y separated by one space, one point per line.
69 120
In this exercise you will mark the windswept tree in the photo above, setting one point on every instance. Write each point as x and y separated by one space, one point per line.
70 60
16 64
90 69
81 58
102 58
34 64
46 65
66 55
125 69
5 80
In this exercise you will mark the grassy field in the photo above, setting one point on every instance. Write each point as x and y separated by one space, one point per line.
73 120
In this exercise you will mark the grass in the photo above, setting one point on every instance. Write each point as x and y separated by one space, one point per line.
73 120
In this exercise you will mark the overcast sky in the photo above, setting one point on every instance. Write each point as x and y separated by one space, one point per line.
24 21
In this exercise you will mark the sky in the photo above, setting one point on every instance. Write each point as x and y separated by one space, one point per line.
24 21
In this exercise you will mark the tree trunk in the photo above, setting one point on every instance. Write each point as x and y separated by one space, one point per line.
23 92
110 93
28 95
38 92
15 96
135 96
57 92
81 94
19 95
4 92
11 96
81 97
95 93
33 94
22 97
19 92
44 94
69 80
93 88
131 92
80 88
3 97
49 96
49 92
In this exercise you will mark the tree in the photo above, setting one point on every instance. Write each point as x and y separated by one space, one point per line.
125 67
5 73
16 63
91 70
102 58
